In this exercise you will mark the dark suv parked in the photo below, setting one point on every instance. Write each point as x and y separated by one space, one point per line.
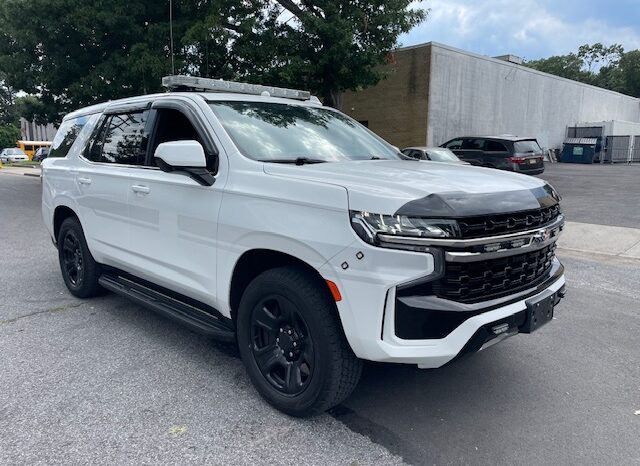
512 153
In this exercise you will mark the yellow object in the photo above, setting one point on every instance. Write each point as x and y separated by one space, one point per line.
30 147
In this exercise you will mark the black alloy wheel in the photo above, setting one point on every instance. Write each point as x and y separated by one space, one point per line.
282 345
79 270
292 343
72 260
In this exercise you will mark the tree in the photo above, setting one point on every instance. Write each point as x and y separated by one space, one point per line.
98 50
609 67
332 46
630 73
9 135
597 55
567 66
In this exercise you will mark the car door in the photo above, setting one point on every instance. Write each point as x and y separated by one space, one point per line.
496 154
174 234
471 151
102 179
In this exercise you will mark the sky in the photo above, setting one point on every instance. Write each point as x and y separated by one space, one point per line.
530 29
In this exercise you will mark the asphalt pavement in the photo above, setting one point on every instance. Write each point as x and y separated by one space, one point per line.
602 194
107 382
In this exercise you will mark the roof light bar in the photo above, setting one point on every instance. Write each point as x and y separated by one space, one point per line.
194 83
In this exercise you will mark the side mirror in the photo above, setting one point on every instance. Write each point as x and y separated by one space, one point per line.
184 157
181 154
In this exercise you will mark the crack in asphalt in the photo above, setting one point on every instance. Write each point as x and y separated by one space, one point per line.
45 311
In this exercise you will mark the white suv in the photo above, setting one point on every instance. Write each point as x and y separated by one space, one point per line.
254 214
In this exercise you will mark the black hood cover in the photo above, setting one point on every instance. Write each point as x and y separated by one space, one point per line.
462 204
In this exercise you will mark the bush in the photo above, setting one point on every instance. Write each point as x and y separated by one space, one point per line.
9 135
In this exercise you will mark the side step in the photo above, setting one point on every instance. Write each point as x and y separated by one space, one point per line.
189 315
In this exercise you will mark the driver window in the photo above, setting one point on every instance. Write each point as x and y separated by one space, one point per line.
173 125
455 144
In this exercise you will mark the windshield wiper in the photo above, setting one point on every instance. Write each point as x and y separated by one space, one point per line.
296 161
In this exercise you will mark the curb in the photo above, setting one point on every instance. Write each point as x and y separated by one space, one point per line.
601 239
37 175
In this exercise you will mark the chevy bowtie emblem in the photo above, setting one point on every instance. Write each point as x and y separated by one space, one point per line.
542 235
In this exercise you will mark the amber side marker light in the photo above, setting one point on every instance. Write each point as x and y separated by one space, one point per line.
335 292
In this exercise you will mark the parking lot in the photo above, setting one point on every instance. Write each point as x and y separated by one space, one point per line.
105 381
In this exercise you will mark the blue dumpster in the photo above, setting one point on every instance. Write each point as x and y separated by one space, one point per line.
579 150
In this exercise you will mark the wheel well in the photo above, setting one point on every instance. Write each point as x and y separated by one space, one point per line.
253 263
60 215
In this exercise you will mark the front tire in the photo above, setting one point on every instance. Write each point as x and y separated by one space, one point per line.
292 343
79 270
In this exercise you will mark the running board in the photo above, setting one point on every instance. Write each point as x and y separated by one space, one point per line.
191 316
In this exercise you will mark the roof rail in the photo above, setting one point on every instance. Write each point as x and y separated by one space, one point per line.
194 83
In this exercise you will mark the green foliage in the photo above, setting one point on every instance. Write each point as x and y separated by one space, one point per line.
332 46
630 71
604 66
73 54
567 66
9 135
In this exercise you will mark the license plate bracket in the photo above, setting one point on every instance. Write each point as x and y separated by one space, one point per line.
539 312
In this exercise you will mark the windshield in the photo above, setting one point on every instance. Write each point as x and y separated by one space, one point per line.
530 145
276 132
442 155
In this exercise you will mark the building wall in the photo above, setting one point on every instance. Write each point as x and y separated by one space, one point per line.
34 132
396 108
475 95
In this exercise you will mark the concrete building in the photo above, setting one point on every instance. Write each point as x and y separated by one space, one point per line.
434 93
33 132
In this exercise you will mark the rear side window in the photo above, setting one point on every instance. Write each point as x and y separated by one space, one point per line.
66 136
120 139
495 146
455 144
473 144
530 145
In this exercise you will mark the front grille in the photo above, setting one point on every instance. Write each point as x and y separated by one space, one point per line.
478 281
492 225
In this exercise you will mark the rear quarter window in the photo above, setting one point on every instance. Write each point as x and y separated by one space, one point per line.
530 145
66 136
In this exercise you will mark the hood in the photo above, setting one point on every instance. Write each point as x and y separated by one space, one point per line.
421 188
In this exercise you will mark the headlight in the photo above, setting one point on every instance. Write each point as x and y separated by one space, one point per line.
368 226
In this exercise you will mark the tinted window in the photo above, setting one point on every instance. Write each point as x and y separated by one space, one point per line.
495 146
442 155
66 136
455 144
272 131
473 144
530 145
120 140
414 154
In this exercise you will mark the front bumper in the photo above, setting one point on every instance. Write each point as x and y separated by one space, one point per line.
369 308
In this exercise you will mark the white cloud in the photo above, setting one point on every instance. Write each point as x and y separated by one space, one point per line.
522 27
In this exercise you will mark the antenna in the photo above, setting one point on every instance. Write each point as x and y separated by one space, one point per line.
173 69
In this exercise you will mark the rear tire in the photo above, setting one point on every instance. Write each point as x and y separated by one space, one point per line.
292 343
79 270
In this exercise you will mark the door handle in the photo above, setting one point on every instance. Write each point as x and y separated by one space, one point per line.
140 189
86 181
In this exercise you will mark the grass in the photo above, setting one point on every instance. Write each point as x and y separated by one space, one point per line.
28 163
